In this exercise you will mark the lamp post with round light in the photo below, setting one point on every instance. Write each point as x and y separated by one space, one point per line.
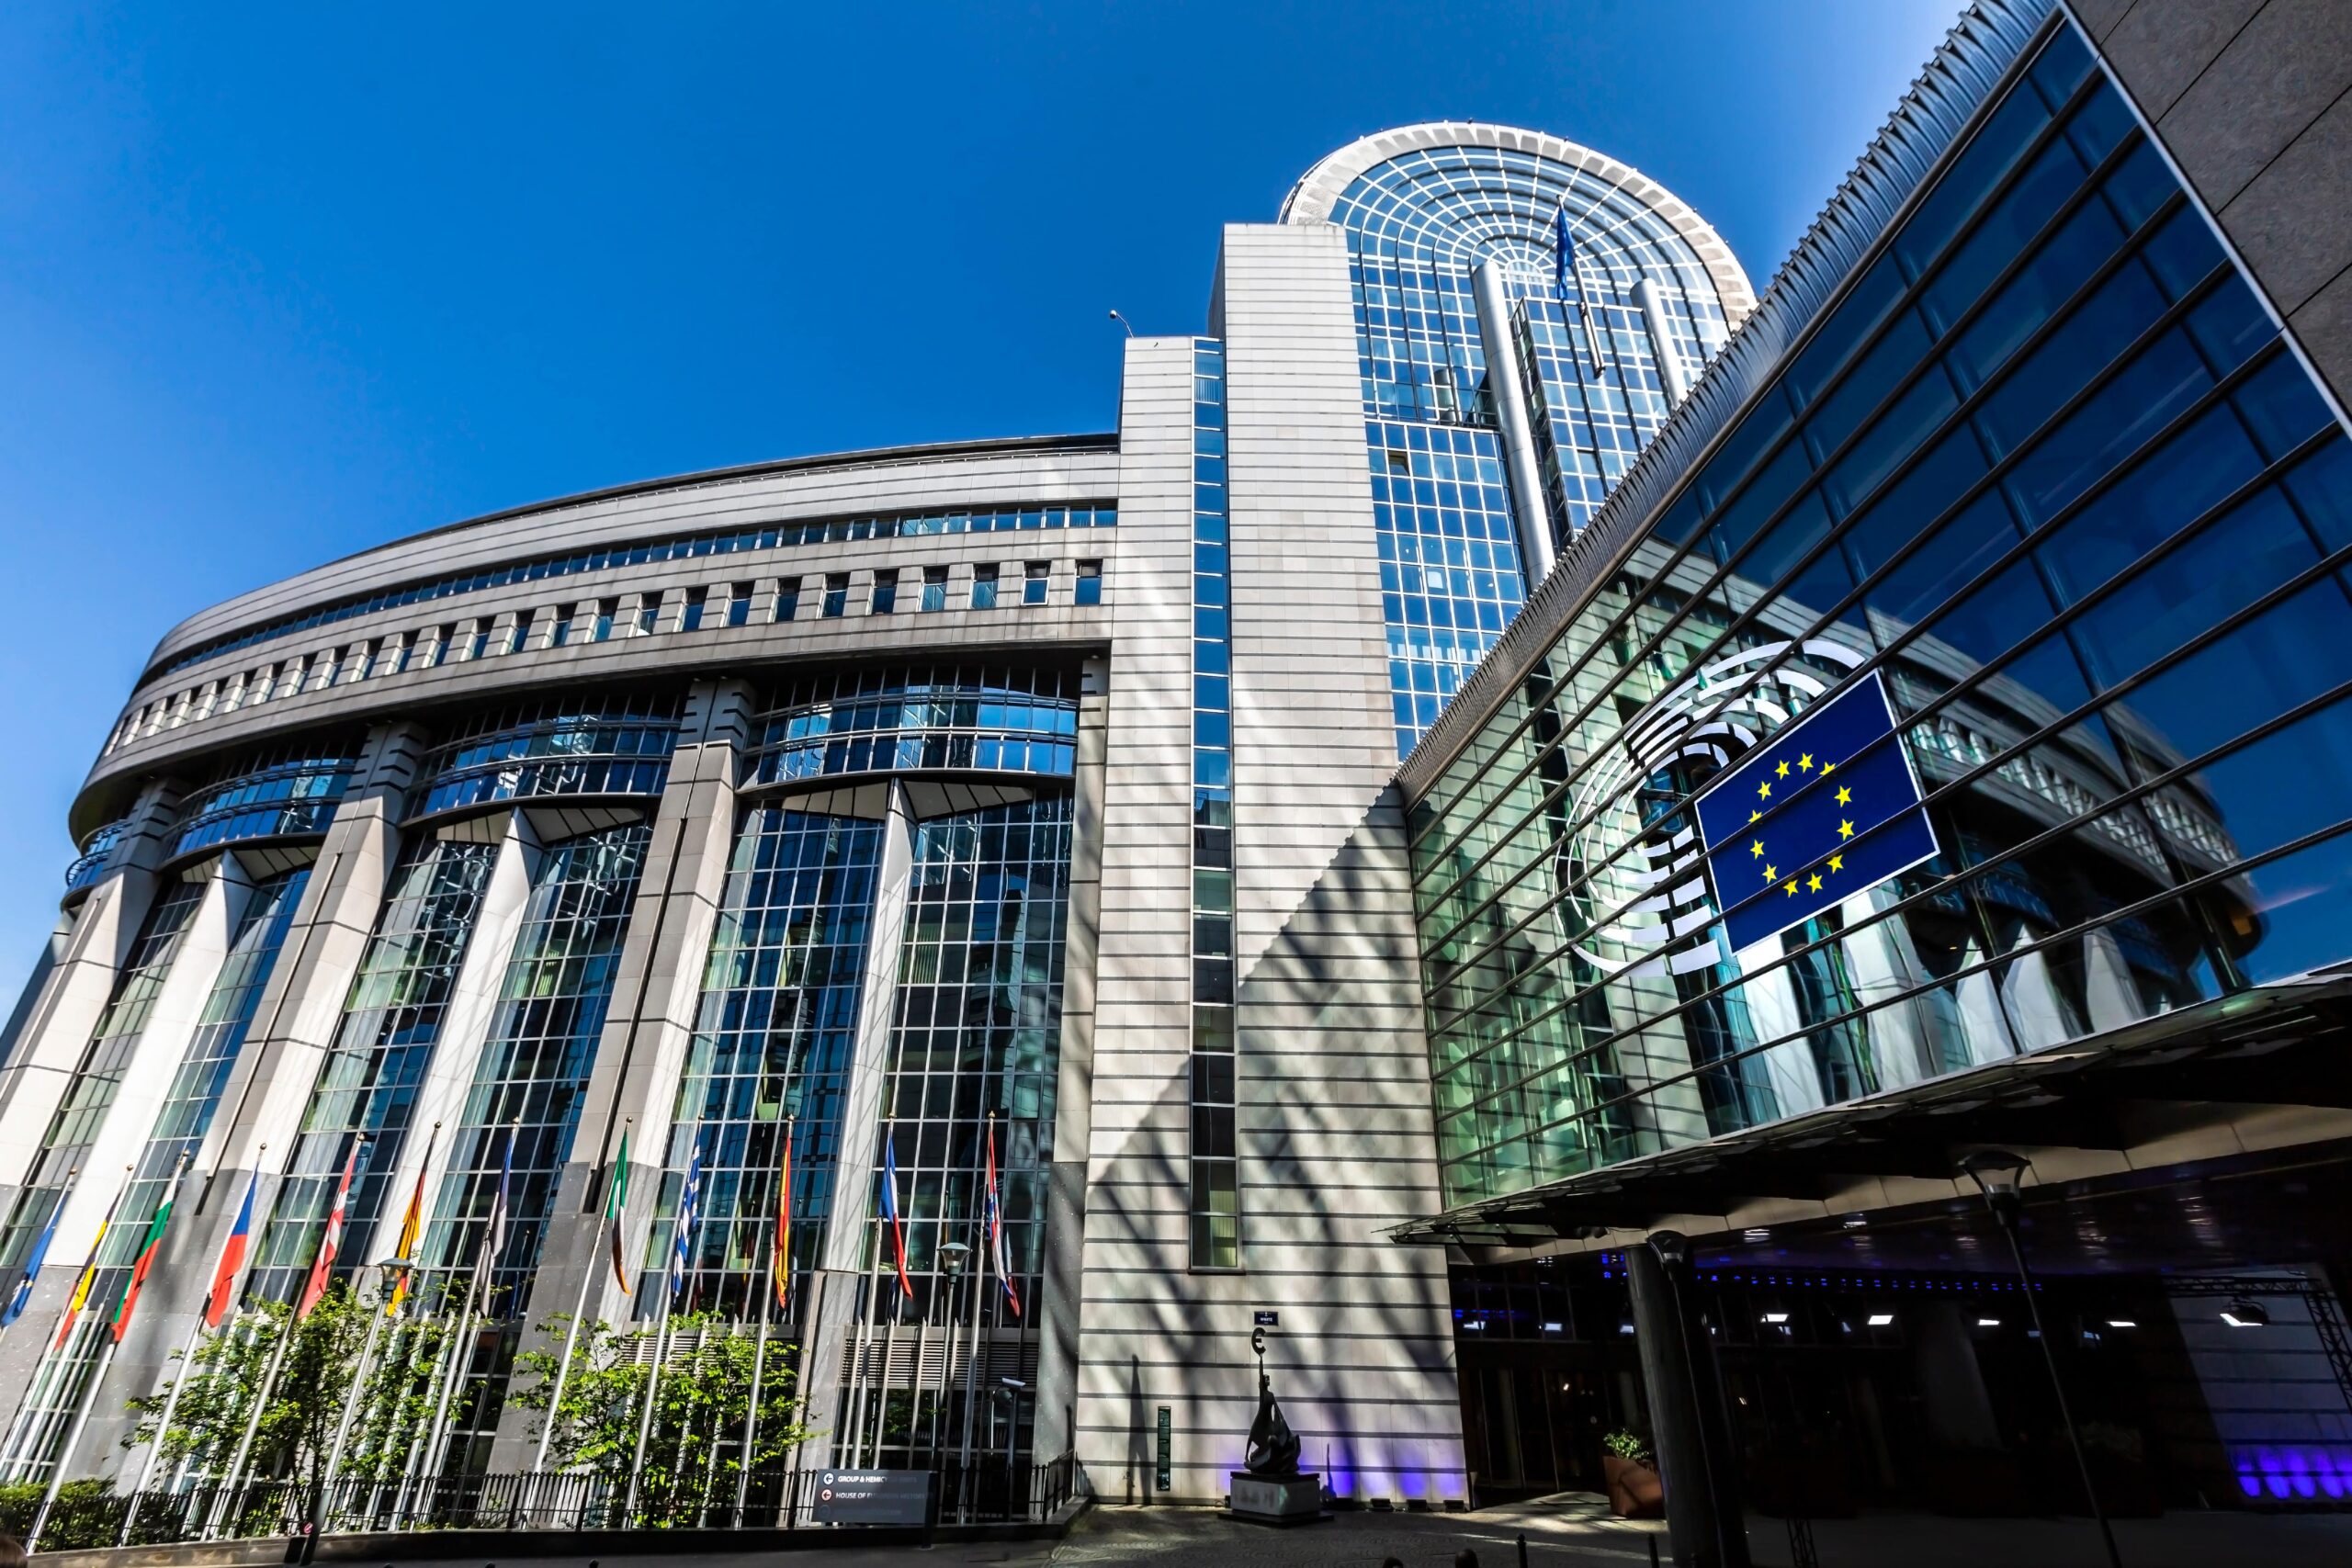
1997 1174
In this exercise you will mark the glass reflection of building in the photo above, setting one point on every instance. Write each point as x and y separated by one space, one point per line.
2047 464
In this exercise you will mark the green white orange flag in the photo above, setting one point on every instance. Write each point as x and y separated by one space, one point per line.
616 1215
147 1251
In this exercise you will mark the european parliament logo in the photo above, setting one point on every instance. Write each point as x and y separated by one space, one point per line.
1825 808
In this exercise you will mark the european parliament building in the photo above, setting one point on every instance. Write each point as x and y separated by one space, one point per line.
1527 803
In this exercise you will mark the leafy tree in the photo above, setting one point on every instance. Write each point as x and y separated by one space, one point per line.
693 1452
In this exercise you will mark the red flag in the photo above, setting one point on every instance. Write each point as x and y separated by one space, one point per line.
330 1243
232 1258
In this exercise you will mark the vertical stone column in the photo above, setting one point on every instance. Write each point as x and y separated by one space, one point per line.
1136 1188
1695 1457
649 1026
844 1259
1060 1311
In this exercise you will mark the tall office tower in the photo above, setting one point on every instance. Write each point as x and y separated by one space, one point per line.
1011 803
1527 312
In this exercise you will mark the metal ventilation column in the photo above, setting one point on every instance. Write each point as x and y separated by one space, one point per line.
1519 465
1671 370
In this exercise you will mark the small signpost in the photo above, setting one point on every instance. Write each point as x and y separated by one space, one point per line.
876 1497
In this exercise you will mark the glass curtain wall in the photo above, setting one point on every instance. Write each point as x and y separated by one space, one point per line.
39 1426
529 1079
1417 227
2047 470
976 1035
392 1021
98 1076
773 1040
1216 1204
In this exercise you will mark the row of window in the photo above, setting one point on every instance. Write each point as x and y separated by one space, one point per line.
681 546
1216 1200
761 602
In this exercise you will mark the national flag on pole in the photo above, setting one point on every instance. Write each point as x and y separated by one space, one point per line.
780 1259
890 1209
81 1296
330 1240
232 1258
682 1239
493 1241
412 1228
997 1254
35 1258
1563 253
616 1215
147 1251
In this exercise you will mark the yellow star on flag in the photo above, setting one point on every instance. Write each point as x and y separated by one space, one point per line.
1756 848
1792 886
1756 817
1764 789
1827 769
1805 762
1771 874
1845 830
1837 863
1814 881
1781 772
1845 795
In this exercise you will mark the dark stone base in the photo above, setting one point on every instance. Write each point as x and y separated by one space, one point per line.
1274 1499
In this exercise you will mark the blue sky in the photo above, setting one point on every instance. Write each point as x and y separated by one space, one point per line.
278 283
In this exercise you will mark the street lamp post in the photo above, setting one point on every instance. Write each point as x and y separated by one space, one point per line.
1997 1174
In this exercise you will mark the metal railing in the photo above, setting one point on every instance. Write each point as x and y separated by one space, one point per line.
86 1514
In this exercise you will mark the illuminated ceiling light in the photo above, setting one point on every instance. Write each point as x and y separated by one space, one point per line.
1624 1328
2122 1323
1776 1317
2243 1314
1880 1319
1988 1322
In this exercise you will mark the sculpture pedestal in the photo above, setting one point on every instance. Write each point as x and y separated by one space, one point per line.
1275 1499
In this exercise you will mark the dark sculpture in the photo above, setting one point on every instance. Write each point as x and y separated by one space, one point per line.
1273 1446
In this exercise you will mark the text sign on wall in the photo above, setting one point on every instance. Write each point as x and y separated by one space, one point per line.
1268 1319
1162 1478
874 1496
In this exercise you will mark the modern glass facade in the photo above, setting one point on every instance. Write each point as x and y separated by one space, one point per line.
392 1021
2048 472
1418 224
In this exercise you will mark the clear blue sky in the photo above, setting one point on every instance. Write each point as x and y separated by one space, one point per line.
280 282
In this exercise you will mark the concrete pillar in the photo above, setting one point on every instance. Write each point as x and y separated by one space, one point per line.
843 1258
1058 1314
1671 375
1695 1456
1509 388
649 1027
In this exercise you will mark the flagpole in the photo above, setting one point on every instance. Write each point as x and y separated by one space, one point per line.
579 1310
171 1400
759 1349
73 1440
252 1422
493 1237
342 1423
680 1242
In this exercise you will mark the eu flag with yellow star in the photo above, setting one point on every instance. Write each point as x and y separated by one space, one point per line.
1825 808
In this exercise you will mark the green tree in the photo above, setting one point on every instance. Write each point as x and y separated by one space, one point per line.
692 1452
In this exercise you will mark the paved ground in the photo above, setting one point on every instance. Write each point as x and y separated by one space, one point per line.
1574 1532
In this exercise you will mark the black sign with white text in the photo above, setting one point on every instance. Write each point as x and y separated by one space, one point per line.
874 1496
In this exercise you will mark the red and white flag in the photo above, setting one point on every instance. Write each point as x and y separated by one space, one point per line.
330 1243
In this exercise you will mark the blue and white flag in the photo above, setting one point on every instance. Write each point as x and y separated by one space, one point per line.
682 1241
1822 810
1563 253
33 1261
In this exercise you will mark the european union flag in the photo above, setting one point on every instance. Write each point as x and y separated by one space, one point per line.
1563 253
1825 808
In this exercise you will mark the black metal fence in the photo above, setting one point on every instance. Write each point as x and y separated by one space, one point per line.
86 1514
